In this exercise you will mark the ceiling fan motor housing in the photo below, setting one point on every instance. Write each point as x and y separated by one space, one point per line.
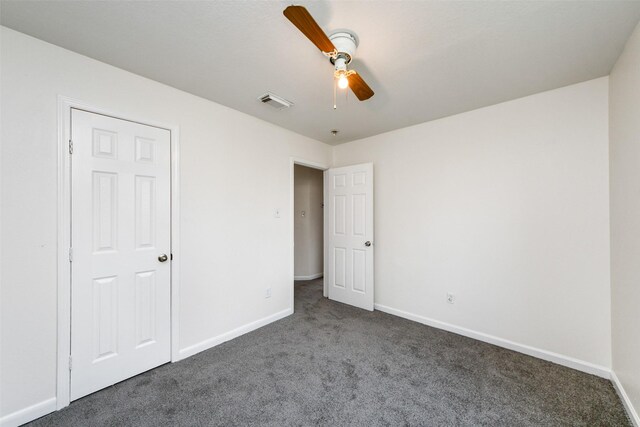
346 44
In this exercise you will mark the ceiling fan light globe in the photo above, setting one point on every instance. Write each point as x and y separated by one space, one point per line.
343 82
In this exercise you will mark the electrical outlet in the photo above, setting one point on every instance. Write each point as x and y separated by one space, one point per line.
451 298
276 214
267 293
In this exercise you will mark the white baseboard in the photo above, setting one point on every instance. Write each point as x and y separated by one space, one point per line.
29 413
310 277
212 342
560 359
633 415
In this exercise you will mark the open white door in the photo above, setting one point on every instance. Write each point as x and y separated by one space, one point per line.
121 242
350 235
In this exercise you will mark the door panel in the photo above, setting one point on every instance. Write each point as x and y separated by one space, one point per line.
120 225
350 224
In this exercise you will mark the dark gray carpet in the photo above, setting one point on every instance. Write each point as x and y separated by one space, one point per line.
332 364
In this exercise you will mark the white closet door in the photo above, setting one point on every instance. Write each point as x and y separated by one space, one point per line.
120 324
350 235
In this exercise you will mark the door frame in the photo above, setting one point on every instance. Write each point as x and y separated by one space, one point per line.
313 165
65 105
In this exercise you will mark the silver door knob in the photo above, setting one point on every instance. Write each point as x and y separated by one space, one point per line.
163 258
367 243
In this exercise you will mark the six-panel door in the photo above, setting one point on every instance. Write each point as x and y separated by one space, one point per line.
350 236
120 322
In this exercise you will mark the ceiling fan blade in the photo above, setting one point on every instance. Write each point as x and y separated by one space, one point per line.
301 18
359 87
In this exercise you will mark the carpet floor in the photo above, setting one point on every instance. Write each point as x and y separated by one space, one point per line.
332 364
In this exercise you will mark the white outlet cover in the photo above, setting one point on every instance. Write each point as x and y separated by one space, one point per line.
451 298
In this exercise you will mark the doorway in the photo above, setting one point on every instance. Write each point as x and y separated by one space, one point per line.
308 224
346 240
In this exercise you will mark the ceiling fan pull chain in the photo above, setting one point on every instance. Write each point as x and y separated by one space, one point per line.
346 99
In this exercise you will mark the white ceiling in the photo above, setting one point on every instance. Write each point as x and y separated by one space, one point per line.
424 59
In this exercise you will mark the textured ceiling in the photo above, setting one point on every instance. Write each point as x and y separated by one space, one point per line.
424 59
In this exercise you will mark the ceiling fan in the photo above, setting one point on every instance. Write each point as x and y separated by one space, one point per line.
339 47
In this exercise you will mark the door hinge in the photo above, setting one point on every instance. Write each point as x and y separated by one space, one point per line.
70 363
70 254
70 147
171 257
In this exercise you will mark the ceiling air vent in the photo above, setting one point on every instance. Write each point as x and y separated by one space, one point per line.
275 101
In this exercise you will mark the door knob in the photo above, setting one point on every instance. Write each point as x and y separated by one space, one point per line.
367 243
163 258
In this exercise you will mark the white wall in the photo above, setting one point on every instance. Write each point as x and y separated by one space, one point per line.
624 151
506 207
235 172
308 229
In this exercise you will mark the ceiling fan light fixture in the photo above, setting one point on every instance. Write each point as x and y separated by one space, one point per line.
343 81
342 77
